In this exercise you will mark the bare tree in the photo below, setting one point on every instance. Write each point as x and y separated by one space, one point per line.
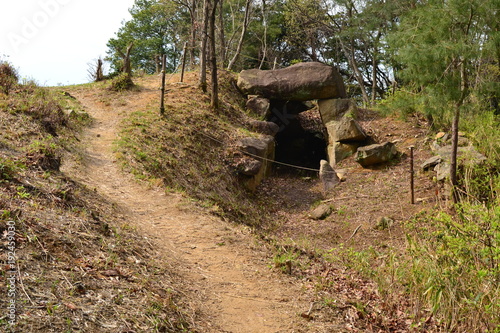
126 66
213 56
242 36
95 71
203 48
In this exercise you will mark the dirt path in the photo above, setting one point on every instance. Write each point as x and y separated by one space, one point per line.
218 260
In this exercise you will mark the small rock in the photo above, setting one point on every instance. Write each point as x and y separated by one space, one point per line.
321 212
440 135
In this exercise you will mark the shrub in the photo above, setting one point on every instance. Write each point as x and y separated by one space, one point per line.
8 77
122 82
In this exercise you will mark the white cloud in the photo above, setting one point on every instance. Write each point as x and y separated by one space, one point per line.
52 41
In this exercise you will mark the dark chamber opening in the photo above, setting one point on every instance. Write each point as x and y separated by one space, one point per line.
301 140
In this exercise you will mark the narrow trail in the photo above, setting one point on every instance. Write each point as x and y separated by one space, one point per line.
219 261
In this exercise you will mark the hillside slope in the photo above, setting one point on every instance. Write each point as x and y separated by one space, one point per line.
69 263
217 261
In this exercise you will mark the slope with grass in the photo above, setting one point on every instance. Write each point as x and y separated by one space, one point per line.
219 262
76 266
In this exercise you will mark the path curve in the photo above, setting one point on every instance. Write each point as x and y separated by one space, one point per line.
218 259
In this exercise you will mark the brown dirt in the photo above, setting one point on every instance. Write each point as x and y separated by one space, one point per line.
221 264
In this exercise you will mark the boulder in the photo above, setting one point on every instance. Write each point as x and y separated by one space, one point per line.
345 130
334 109
300 82
256 147
339 151
328 176
376 154
468 156
261 150
264 127
259 105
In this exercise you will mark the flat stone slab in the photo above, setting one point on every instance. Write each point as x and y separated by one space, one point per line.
301 82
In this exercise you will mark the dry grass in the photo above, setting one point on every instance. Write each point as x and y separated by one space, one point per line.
79 267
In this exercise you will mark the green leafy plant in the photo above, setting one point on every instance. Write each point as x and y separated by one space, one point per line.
122 82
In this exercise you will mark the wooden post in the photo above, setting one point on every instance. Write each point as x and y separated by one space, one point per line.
412 173
184 53
163 73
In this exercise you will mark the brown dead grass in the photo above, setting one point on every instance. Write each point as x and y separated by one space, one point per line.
79 267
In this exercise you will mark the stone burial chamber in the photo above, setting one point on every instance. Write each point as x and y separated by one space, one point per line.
305 114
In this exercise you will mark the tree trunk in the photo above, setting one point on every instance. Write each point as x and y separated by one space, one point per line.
214 102
242 37
264 39
464 84
375 67
357 73
454 151
192 45
126 66
222 36
203 50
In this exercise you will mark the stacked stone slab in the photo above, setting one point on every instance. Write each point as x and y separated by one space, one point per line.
297 83
344 133
256 165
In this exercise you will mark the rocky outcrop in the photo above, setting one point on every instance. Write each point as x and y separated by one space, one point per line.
376 154
300 82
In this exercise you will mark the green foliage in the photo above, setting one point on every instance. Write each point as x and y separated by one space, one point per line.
122 82
154 29
455 266
9 168
441 48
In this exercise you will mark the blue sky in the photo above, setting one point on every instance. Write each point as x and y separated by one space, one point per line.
53 41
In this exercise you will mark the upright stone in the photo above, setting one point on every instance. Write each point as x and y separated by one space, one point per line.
261 149
328 176
334 109
345 130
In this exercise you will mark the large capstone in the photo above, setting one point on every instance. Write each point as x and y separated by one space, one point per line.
300 82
